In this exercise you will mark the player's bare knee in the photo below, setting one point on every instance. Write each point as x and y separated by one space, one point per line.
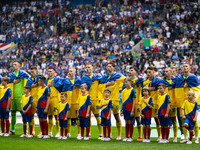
185 125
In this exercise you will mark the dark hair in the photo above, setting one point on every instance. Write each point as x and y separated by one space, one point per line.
33 68
51 67
162 85
17 61
28 88
7 79
150 68
134 68
42 78
111 63
65 94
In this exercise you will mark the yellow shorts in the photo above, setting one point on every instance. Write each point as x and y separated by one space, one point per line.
137 110
95 107
73 111
172 111
53 106
34 106
154 111
115 107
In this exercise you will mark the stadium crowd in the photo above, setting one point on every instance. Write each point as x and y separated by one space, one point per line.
54 33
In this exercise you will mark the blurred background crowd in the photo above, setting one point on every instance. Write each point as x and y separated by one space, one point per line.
56 33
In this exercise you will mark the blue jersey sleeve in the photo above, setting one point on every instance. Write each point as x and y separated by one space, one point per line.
67 107
88 101
167 99
30 100
110 104
151 101
133 92
9 92
47 91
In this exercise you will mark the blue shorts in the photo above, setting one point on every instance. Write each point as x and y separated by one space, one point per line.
164 121
4 114
190 123
26 118
127 115
84 122
41 113
146 121
63 123
105 122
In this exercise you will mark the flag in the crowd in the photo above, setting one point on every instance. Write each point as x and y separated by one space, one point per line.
148 43
6 46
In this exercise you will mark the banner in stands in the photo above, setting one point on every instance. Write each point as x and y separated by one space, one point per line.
6 46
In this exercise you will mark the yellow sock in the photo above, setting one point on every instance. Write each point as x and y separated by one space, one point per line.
33 123
196 130
175 129
57 126
99 125
139 130
158 127
51 125
90 127
78 126
69 124
119 127
185 131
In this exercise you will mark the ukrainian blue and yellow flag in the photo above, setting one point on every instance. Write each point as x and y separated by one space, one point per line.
84 102
118 79
92 82
62 109
105 109
21 75
127 98
170 92
152 83
34 90
183 84
72 88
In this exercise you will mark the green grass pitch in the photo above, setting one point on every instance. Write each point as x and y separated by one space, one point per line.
14 142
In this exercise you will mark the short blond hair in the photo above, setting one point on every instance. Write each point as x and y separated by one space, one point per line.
191 92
